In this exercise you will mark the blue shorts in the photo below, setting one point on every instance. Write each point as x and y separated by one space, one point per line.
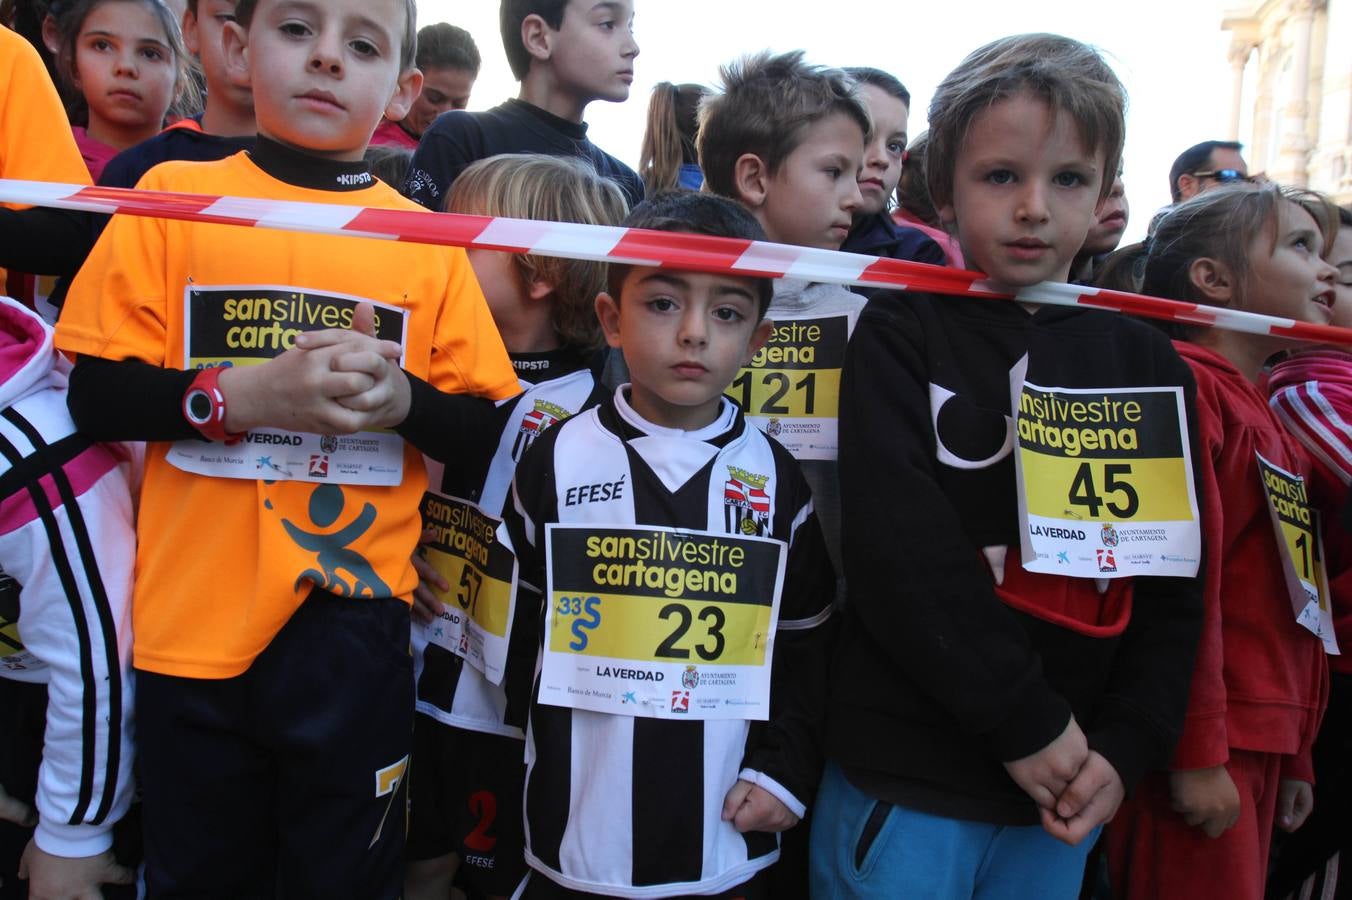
868 848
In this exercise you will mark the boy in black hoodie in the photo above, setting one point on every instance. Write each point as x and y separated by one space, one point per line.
974 698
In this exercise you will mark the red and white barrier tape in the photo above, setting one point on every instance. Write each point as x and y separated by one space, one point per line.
634 246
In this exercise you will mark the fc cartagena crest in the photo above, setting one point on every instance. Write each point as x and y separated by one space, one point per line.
1108 535
745 502
535 423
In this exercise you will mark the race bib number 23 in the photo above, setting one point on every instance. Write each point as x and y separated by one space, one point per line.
659 622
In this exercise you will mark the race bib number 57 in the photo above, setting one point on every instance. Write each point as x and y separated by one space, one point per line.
1105 482
476 613
660 622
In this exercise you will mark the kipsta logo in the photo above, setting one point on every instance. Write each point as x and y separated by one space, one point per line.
1109 535
690 678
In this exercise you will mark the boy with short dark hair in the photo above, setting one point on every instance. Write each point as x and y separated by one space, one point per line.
449 61
786 140
976 692
566 54
272 652
468 761
672 732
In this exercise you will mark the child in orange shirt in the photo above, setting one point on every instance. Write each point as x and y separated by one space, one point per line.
270 613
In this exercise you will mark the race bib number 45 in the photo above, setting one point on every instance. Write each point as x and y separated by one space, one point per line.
476 613
660 622
1105 482
791 389
249 325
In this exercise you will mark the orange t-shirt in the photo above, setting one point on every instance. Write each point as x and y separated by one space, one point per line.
36 143
222 563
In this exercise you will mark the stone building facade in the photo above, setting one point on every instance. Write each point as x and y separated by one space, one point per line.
1291 64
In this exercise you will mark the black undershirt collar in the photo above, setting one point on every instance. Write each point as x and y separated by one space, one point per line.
298 168
535 368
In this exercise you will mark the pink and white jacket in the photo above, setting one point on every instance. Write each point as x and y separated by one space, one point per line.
1312 395
67 548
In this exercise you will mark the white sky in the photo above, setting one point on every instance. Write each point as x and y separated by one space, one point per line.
1170 54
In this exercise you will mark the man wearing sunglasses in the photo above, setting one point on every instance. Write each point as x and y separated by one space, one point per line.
1205 166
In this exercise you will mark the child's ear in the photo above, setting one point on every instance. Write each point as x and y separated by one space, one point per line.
1213 280
539 289
235 44
536 37
750 179
608 312
405 92
51 37
759 338
189 27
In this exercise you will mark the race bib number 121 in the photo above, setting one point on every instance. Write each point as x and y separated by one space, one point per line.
791 389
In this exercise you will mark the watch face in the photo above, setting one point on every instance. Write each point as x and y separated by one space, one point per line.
199 406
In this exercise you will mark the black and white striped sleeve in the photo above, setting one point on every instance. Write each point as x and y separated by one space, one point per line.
784 753
67 537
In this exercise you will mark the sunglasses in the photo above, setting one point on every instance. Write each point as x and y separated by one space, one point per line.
1224 176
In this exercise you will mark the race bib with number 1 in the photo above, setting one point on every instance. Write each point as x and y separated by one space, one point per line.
1301 547
660 622
1105 482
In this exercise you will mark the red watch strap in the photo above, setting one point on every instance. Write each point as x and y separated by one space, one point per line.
204 406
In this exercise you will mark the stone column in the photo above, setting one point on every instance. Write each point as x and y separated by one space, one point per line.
1239 58
1294 141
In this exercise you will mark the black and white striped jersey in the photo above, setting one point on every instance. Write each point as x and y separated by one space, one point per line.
630 805
556 386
